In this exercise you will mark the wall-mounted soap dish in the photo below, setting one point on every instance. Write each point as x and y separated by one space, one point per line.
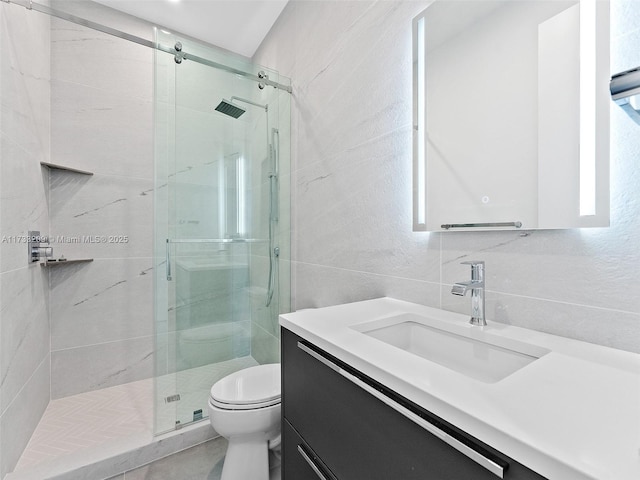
54 166
63 261
39 250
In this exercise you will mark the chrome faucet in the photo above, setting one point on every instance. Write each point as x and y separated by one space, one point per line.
476 285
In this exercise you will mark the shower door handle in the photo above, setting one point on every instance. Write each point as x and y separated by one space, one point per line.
168 260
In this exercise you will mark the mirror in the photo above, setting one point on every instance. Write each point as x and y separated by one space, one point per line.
511 115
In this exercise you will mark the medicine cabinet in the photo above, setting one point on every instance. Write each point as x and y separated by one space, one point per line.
511 115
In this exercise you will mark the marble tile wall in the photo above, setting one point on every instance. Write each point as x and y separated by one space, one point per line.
351 66
102 122
24 143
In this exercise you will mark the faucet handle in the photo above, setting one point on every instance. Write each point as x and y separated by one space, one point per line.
473 263
477 269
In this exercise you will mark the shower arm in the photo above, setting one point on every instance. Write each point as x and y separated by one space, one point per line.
244 100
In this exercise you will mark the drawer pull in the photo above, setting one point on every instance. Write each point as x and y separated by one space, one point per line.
319 357
311 463
466 450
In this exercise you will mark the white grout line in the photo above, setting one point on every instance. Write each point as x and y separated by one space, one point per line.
106 343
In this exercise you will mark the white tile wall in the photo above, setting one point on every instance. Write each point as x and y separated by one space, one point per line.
106 131
22 417
97 302
25 328
24 143
350 62
101 121
92 367
116 207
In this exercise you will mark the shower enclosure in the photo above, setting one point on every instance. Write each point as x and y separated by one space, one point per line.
221 222
95 145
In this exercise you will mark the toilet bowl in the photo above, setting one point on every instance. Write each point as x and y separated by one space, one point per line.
244 407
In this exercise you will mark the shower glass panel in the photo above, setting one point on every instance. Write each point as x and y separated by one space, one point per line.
222 228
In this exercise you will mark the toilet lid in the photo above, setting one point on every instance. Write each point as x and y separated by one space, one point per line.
255 386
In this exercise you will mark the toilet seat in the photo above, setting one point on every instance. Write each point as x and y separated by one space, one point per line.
244 406
251 388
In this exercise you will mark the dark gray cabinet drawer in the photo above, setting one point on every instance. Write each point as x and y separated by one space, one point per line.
358 436
302 462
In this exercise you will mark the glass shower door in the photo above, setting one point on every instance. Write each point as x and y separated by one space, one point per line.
218 222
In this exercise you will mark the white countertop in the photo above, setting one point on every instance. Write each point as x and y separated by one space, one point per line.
572 414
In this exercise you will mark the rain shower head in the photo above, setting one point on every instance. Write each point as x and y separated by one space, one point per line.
228 108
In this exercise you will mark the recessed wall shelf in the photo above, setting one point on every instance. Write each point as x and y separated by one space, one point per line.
54 166
58 263
45 254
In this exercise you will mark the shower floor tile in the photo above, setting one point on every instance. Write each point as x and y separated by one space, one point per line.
81 421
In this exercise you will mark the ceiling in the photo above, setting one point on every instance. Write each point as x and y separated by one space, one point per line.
237 25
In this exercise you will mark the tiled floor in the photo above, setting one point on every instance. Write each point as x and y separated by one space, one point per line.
202 462
78 422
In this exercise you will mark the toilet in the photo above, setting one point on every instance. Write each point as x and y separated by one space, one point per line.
244 407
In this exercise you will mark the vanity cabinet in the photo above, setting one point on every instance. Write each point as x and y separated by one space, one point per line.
340 424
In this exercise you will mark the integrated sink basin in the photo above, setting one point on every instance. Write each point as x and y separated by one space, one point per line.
469 350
